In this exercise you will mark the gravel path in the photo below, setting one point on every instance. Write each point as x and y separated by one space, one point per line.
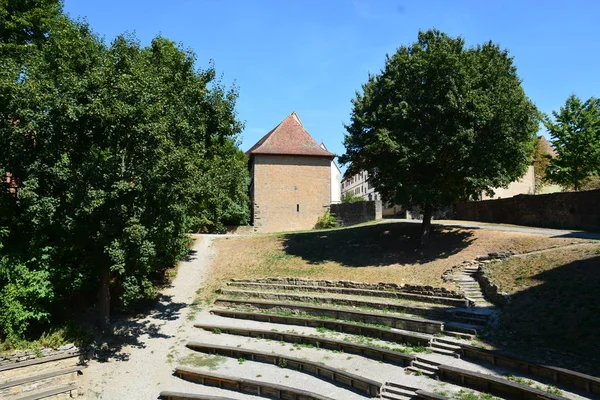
141 369
508 228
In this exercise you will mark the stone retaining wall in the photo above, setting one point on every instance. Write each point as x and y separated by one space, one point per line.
408 288
394 321
401 308
577 210
25 355
355 213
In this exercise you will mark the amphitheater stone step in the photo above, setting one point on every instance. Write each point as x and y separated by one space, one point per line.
14 388
395 391
425 365
420 371
54 393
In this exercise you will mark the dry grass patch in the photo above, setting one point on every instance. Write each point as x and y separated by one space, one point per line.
554 313
384 252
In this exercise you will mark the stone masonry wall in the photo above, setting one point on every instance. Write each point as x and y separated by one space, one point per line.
290 192
358 212
578 210
25 355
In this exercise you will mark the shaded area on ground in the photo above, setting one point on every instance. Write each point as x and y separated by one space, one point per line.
376 245
556 318
133 332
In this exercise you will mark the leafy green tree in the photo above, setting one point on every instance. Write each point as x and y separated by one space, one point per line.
541 160
441 123
222 196
112 149
575 133
350 197
47 57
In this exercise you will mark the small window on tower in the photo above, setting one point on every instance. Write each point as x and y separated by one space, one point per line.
297 207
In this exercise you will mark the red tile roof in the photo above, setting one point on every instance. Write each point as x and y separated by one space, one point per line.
289 138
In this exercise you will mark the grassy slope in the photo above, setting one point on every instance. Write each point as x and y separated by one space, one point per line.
554 314
383 252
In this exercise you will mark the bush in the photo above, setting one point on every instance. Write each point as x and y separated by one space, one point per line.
351 198
24 299
327 221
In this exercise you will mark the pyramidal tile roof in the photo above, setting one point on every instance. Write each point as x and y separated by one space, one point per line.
289 138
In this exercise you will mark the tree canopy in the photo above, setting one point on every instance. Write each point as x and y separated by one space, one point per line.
113 154
441 122
575 133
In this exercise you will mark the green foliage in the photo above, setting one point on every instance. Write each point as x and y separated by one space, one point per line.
222 195
541 161
350 197
518 379
56 337
464 394
441 122
115 153
24 298
326 221
575 133
554 390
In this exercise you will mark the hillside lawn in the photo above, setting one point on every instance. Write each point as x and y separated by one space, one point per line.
382 252
554 313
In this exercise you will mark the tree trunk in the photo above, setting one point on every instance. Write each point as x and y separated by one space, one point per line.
105 300
426 227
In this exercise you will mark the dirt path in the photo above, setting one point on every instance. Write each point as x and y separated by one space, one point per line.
141 368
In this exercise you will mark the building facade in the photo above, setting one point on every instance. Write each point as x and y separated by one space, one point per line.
336 176
291 179
524 185
359 185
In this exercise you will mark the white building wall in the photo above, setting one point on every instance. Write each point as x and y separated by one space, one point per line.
358 185
525 185
336 188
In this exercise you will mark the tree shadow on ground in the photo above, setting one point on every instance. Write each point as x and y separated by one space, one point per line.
558 321
579 235
134 332
376 245
191 255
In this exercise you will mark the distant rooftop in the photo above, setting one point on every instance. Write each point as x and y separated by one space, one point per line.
289 138
547 146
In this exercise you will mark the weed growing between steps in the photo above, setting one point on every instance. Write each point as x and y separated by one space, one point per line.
470 395
196 360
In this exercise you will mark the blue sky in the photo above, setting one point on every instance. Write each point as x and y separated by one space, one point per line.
310 56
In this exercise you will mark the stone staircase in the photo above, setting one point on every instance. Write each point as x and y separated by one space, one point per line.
470 286
396 391
445 347
423 367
